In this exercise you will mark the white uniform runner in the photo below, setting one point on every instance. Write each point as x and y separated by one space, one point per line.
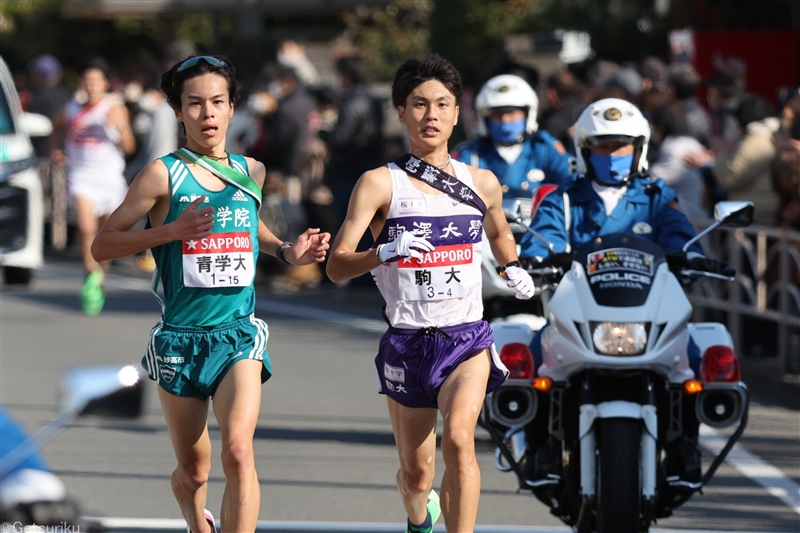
95 161
444 288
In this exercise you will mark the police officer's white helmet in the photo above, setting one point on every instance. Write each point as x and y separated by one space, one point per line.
611 119
507 90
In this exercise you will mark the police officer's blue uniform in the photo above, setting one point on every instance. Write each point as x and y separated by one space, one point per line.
542 160
648 208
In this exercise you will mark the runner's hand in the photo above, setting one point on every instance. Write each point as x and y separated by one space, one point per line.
194 222
519 281
406 245
310 247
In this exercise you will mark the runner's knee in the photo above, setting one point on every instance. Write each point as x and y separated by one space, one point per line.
458 444
415 479
194 475
237 457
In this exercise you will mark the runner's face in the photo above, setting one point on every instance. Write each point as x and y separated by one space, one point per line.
206 110
429 115
95 84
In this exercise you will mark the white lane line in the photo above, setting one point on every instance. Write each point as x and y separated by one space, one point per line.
750 465
177 524
364 324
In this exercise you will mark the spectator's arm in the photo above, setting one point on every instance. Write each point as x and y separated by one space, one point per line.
738 168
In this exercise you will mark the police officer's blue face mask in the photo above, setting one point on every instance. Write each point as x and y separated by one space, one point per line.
611 169
506 132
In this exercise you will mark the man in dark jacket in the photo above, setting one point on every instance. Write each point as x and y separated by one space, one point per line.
356 141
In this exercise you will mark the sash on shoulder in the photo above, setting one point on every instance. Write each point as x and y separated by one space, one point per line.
225 173
441 180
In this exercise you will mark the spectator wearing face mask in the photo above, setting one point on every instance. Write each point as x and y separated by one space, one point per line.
675 144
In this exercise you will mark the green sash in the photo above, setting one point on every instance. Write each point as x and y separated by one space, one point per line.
226 173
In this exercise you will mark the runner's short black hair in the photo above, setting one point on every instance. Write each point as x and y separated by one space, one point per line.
172 80
414 72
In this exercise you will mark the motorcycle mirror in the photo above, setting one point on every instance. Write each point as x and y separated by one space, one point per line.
734 214
109 391
106 391
730 214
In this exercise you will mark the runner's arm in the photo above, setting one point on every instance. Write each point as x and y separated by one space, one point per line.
119 117
370 196
149 193
501 240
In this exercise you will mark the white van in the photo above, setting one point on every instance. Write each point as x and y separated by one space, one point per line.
21 202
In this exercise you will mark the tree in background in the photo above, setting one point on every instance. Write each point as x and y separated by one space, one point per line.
386 36
470 33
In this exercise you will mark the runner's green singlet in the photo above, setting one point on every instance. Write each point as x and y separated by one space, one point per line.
208 282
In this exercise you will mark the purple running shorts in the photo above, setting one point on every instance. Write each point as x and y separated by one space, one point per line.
412 364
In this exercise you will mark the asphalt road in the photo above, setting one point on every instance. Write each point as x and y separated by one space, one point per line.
324 447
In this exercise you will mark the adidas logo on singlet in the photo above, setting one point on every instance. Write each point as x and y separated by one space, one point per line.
239 197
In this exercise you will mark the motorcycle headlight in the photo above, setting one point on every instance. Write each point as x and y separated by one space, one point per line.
620 338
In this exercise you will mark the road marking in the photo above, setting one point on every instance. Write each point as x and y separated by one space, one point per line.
132 525
750 465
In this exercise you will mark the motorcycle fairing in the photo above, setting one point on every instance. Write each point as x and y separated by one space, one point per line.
620 268
567 345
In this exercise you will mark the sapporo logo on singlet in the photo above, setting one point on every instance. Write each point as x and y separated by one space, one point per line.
220 260
449 271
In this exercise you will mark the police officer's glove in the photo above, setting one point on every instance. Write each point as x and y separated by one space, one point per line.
518 280
678 260
406 245
715 266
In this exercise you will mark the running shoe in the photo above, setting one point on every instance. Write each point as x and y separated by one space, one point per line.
91 293
209 519
433 508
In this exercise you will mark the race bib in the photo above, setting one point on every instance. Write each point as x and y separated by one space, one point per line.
446 272
220 260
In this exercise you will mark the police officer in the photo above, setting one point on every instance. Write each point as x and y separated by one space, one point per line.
613 193
509 144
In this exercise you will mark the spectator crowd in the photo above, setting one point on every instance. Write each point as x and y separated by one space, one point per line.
711 139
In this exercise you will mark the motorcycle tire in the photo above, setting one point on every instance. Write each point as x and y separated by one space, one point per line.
618 484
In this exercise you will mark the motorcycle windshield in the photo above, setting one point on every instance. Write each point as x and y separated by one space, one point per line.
620 268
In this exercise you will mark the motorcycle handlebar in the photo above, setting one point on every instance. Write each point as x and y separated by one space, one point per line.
688 273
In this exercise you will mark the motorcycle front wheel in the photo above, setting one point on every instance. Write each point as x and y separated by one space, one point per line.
618 490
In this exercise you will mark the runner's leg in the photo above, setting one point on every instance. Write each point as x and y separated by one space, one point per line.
460 401
415 435
236 404
87 229
187 422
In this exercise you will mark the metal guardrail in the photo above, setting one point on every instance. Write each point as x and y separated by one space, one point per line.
767 286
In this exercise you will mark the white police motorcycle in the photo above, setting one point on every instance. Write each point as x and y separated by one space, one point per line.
606 431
